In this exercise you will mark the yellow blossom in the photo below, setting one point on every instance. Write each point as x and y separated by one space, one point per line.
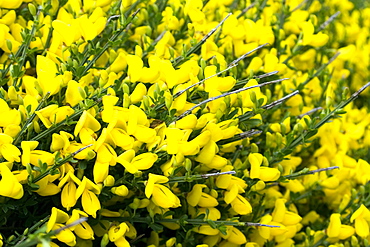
160 194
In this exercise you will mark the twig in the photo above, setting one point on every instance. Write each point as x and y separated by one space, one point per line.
247 54
30 119
59 164
310 112
195 48
322 169
279 101
200 82
318 72
74 223
240 136
300 5
266 74
246 9
230 66
216 174
328 21
226 94
190 178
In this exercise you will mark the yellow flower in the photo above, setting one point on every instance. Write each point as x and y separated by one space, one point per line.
139 92
86 125
9 185
120 190
56 221
117 231
361 217
75 93
90 202
8 116
309 38
47 75
69 190
10 152
258 171
47 187
10 4
197 197
60 141
53 114
82 230
119 63
160 194
337 230
140 162
234 235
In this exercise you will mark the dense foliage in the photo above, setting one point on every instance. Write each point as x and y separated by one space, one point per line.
184 123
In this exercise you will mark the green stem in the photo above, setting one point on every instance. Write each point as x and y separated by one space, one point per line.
190 221
60 124
198 176
177 61
30 119
107 45
325 119
23 49
58 164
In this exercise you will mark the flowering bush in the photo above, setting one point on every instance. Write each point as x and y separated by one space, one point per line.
184 123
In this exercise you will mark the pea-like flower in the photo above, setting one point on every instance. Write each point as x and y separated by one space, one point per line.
161 195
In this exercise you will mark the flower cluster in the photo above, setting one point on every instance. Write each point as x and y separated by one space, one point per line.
184 123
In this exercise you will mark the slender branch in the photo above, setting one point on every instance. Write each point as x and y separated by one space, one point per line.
191 222
266 74
236 61
324 120
196 47
226 94
106 46
230 66
318 72
322 169
59 164
216 174
74 223
279 101
219 222
30 119
200 82
240 136
246 9
25 45
61 123
191 178
328 21
300 5
310 112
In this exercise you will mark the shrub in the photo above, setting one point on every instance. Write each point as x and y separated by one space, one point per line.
184 123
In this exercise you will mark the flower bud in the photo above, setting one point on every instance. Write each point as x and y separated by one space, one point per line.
213 193
120 190
105 240
126 100
109 181
32 9
254 148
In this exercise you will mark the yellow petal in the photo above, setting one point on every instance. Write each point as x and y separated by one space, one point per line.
144 161
9 185
90 203
362 227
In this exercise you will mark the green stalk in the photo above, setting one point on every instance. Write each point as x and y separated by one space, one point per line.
107 45
30 119
299 140
58 164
